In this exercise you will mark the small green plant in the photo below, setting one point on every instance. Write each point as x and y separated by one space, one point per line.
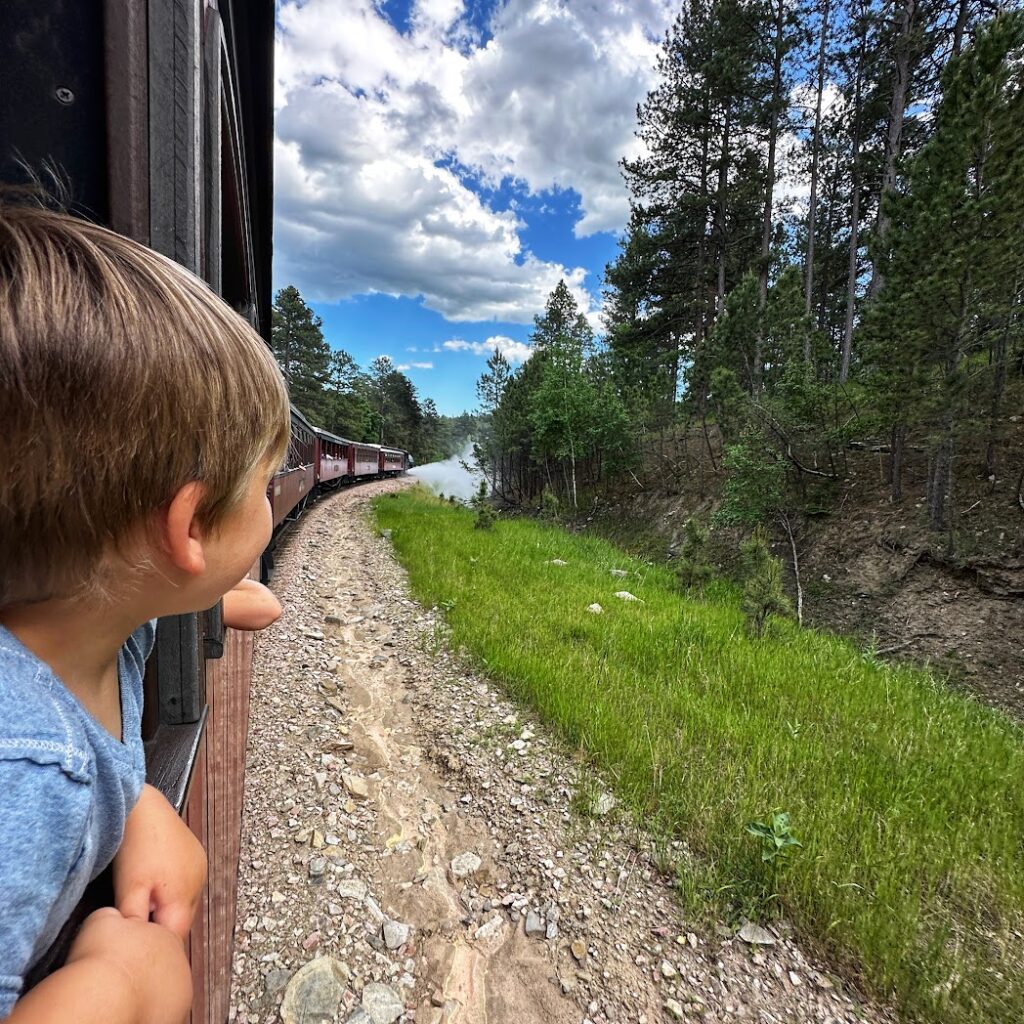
693 567
549 504
762 584
485 514
777 840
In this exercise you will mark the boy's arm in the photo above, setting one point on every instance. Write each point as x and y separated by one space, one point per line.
160 868
250 605
118 971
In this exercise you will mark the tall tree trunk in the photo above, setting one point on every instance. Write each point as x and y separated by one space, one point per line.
855 185
812 211
897 448
720 214
963 11
998 386
766 221
894 138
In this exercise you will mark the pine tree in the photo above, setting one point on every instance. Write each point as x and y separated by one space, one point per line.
298 343
763 593
956 245
563 407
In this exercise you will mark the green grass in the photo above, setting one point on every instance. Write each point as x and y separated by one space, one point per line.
908 799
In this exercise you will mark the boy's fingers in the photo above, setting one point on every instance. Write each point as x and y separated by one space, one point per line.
135 902
176 918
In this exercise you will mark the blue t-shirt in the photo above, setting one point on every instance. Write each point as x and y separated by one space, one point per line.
66 787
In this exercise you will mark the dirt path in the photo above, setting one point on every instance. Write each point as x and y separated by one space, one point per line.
410 840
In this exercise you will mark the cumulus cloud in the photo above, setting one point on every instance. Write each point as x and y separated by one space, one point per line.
384 138
514 351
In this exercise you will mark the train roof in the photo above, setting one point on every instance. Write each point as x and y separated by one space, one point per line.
320 432
302 419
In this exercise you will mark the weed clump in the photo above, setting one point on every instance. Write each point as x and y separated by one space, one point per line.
763 594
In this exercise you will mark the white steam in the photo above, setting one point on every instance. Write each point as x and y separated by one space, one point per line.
450 477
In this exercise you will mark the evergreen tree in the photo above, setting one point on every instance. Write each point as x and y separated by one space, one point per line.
298 343
763 593
956 245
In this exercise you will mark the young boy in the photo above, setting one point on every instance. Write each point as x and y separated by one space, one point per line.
140 423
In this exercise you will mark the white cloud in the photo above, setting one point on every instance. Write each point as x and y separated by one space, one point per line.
514 351
422 366
381 136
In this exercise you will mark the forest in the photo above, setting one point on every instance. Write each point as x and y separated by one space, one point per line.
761 337
379 404
824 255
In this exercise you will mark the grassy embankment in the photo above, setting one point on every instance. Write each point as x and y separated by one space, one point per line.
908 799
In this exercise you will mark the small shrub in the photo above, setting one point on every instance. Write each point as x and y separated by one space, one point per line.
763 594
549 504
693 567
485 514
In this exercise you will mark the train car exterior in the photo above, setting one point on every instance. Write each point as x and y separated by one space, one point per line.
392 462
364 461
158 116
333 460
292 486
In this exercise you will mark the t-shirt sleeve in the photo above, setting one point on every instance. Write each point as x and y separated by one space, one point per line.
43 814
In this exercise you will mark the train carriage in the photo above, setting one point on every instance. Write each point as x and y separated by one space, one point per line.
392 461
294 483
333 461
364 461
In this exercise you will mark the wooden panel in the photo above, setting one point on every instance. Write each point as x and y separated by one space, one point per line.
215 815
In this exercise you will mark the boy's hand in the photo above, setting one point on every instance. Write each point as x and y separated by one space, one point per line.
160 869
118 971
250 605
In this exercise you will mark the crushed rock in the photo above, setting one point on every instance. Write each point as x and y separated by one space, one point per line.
461 837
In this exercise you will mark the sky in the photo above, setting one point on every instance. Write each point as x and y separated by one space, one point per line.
441 164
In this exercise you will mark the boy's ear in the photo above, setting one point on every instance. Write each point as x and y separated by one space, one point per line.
183 538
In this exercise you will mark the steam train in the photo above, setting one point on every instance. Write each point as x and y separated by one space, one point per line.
317 461
158 117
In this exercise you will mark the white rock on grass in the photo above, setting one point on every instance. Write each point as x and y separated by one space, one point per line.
625 595
603 804
620 573
595 609
557 561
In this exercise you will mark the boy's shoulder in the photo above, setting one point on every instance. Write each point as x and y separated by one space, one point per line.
38 719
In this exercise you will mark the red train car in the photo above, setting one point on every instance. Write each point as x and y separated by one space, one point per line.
290 489
364 461
333 460
392 462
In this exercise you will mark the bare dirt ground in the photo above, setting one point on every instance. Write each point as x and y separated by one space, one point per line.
411 849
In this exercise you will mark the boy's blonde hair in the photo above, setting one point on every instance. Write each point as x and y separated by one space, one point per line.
122 378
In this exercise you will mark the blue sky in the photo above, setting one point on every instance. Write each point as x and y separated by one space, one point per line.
441 164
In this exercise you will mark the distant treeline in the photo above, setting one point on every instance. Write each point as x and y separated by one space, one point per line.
884 306
379 405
